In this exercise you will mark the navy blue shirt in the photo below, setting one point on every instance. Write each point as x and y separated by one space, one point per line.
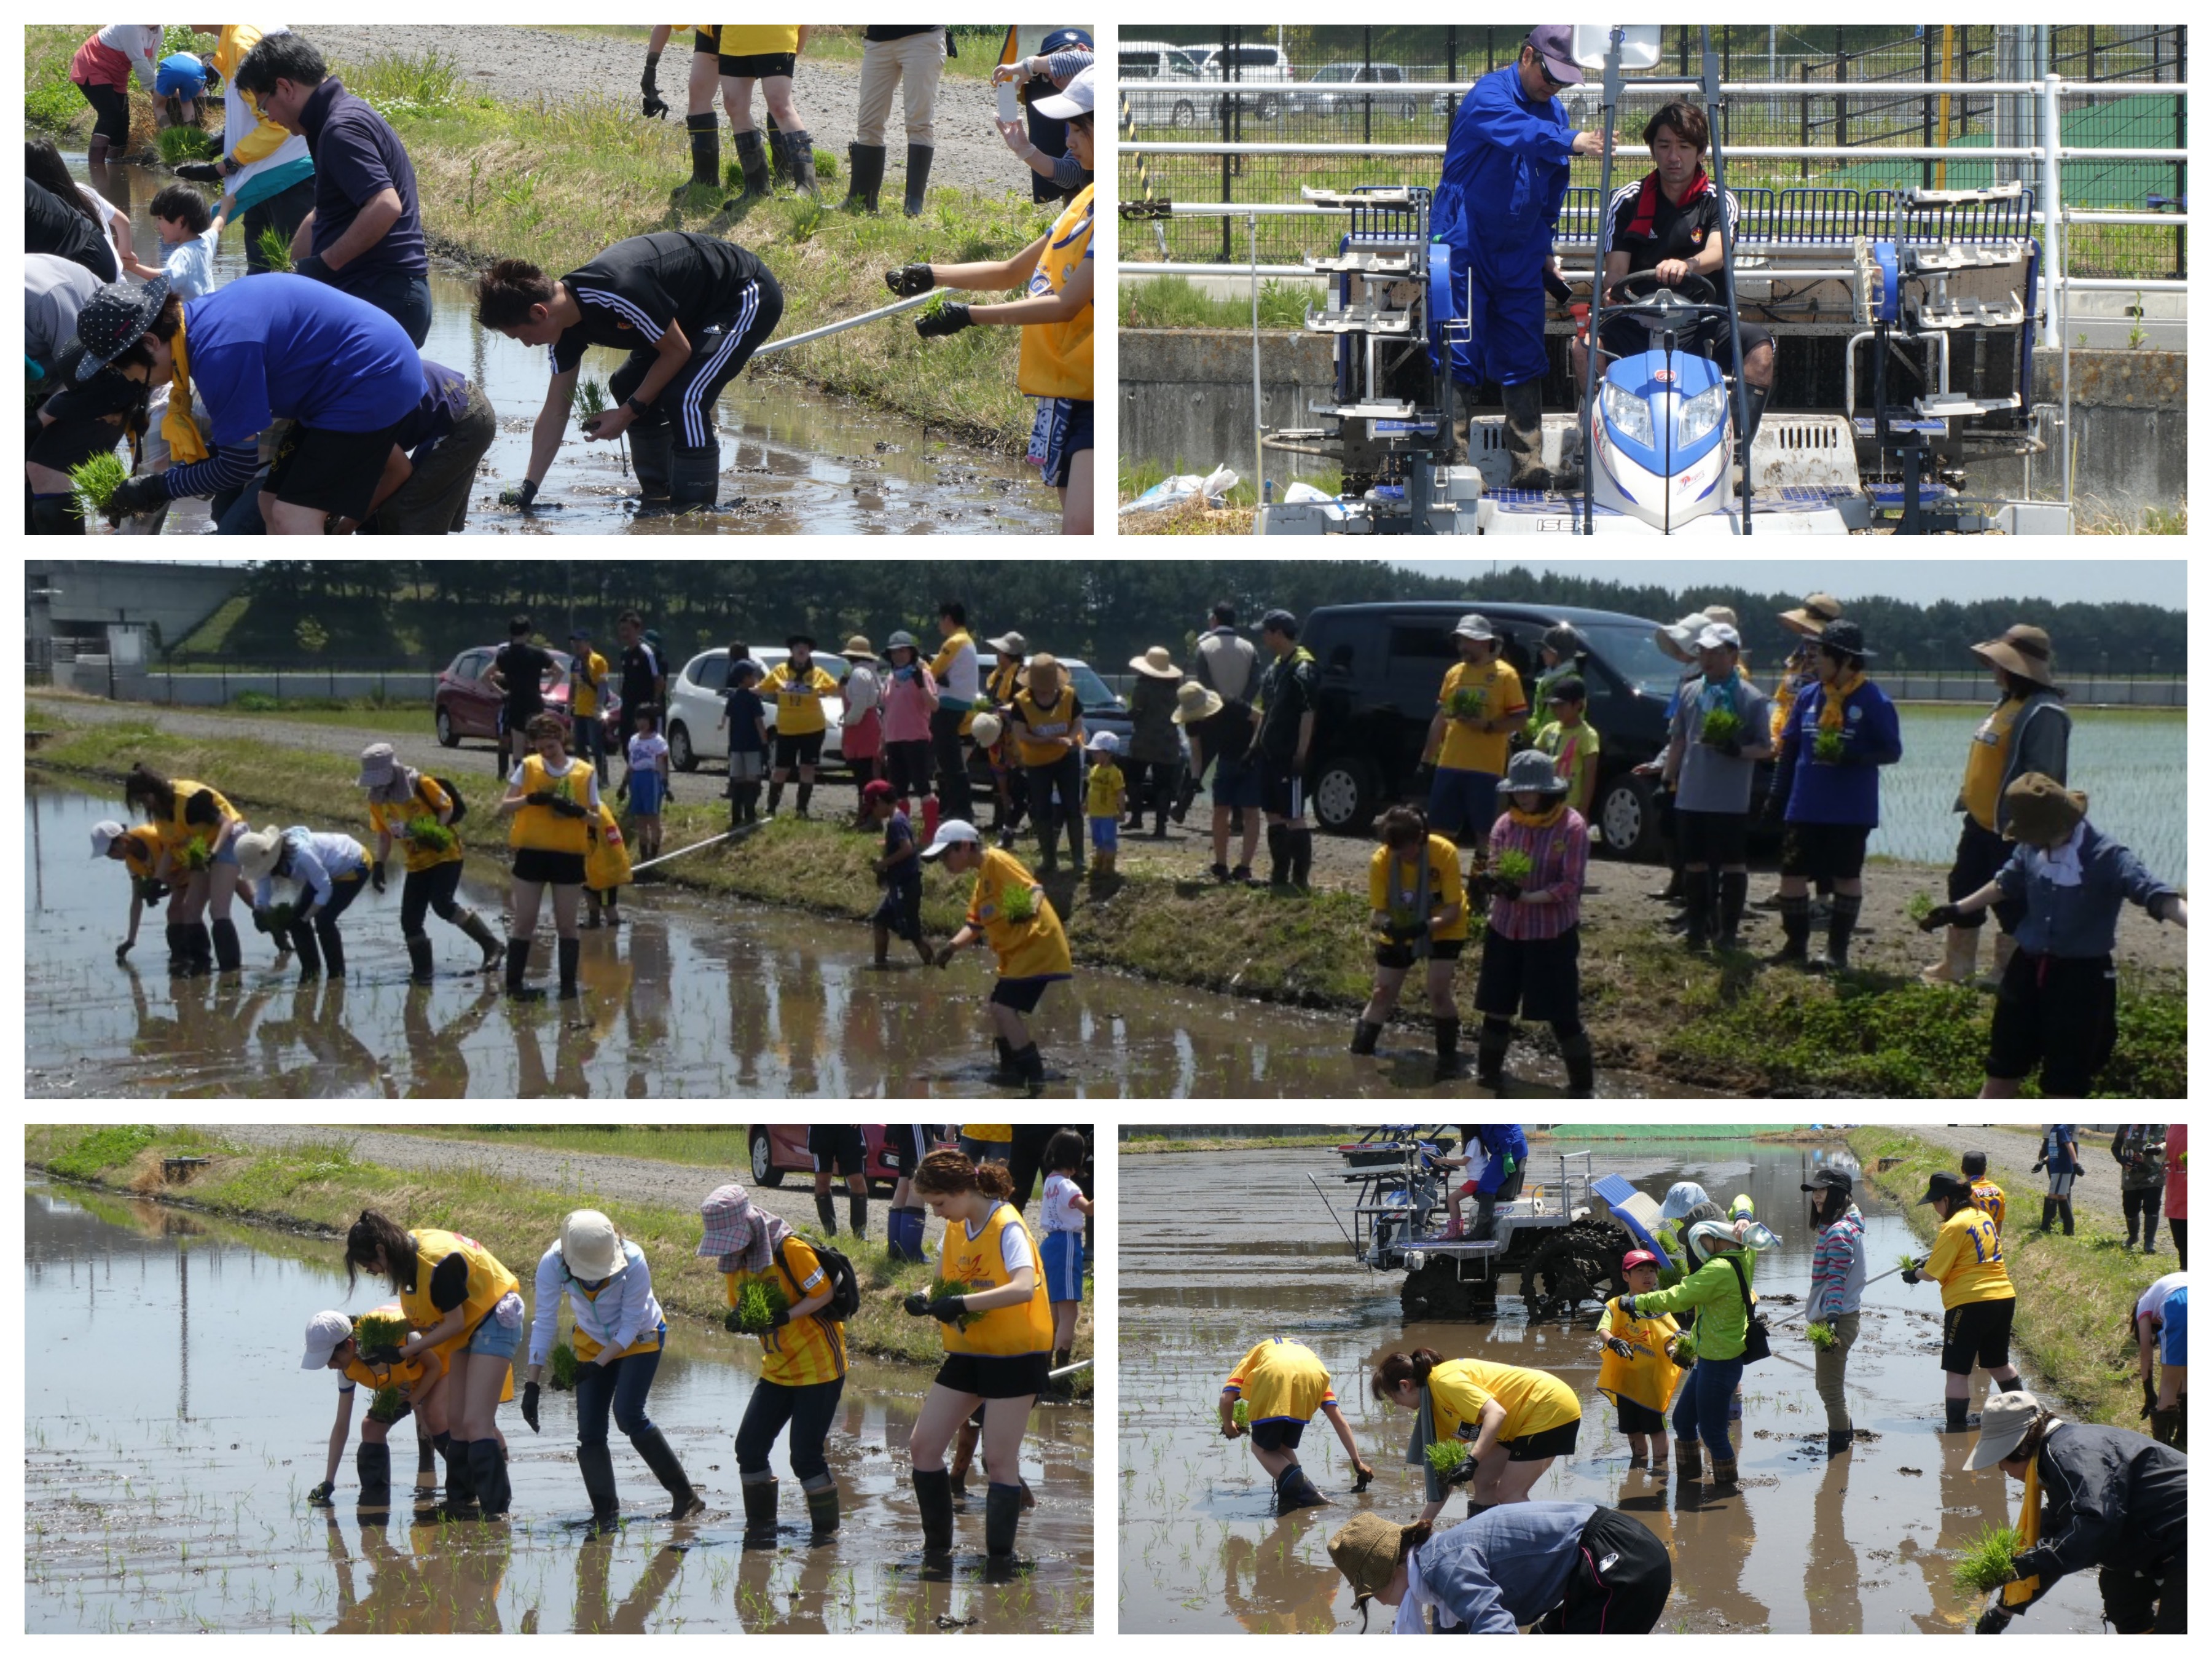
2082 920
746 711
445 400
357 158
898 832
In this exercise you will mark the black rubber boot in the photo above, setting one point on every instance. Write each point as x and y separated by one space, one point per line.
1956 1419
425 1464
460 1490
2049 1214
598 1464
1448 1062
304 946
775 798
372 1462
228 957
668 1469
1365 1034
1839 1441
917 176
1006 1074
181 960
488 1471
822 1507
517 964
694 477
1302 859
1581 1066
2066 1216
706 148
856 1211
752 161
1796 932
1030 1065
1062 1388
1697 912
1490 1044
1002 1520
866 163
1524 436
571 952
1843 916
199 947
805 799
1294 1491
799 159
1485 1215
333 952
759 1493
1755 397
826 1207
1735 892
421 959
778 160
652 452
932 1496
1278 855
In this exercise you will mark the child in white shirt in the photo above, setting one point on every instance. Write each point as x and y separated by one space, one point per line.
1067 1212
189 234
646 783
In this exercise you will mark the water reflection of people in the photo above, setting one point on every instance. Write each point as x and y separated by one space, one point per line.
437 1056
574 1042
338 1061
804 1599
594 1616
444 1583
1831 1576
1289 1594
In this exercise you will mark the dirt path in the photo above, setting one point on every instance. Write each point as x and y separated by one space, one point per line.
521 65
2097 1188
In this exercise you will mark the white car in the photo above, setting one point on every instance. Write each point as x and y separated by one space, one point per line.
1160 84
695 728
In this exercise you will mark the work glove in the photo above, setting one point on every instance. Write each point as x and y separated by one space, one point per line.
521 495
200 172
134 495
1425 777
123 950
1910 1276
1506 887
1366 1476
569 809
1618 1348
151 891
947 320
376 875
907 281
539 798
1556 285
649 84
948 1309
1462 1476
622 790
1992 1622
779 1319
2036 1168
322 1494
730 1323
1942 915
1732 747
530 1406
944 957
917 1304
312 266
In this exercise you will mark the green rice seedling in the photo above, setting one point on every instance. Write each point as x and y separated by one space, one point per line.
1446 1455
372 1331
1241 1414
943 1287
275 249
187 144
99 478
590 398
1918 906
1987 1561
1828 748
427 832
1722 726
1469 703
195 854
1820 1335
1018 904
563 1368
386 1404
1683 1351
1515 867
1908 1262
759 1301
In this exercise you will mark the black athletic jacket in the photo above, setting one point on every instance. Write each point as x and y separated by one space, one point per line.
2111 1498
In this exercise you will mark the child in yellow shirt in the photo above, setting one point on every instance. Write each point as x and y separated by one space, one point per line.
1102 804
1010 911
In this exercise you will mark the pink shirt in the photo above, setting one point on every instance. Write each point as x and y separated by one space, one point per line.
907 703
2176 1172
1558 857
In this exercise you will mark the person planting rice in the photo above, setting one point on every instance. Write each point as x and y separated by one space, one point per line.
1967 1260
798 684
419 812
1516 1419
1717 738
396 1388
1271 1396
199 863
606 871
899 872
553 801
102 70
1478 710
1989 1197
138 851
746 717
1839 1283
1572 742
690 310
1506 1151
1557 1568
645 780
1637 1373
1009 911
619 1336
1539 851
1104 793
1055 316
990 1304
331 871
2095 1497
1417 910
2161 1327
522 671
465 1309
2057 1006
1066 1212
1046 722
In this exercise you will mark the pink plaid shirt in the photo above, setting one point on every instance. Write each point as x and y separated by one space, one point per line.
1558 858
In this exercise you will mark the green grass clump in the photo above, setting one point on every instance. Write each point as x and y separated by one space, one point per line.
940 1287
1828 748
590 397
425 831
1446 1455
562 1367
1515 867
186 143
103 1149
759 1301
99 478
1176 302
275 249
1820 1335
53 108
1987 1561
1721 726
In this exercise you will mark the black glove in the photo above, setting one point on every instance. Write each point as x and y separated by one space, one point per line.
322 1494
140 494
521 495
387 1355
1620 1349
312 266
909 280
539 798
1425 775
1556 286
570 809
948 1309
1506 887
1942 915
1910 1276
2150 1396
779 1319
1462 1476
1404 932
376 875
917 1304
1732 747
948 318
530 1406
150 891
649 84
2036 1168
1992 1622
730 1323
200 172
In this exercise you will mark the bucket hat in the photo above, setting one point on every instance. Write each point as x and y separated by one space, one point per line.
1533 769
1365 1550
986 729
1156 664
1676 639
1010 644
258 851
2022 649
728 1214
1195 702
2006 1420
1682 1197
1815 614
590 1245
1846 636
112 321
2041 810
379 761
1474 626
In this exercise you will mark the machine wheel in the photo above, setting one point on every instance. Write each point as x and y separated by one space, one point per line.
1185 113
1345 794
1438 1291
1580 1264
1628 812
681 754
448 737
765 1174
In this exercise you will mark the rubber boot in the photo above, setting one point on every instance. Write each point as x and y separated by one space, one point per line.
1839 1441
517 964
1698 914
826 1207
421 959
333 953
917 176
1295 1490
1755 400
799 159
1581 1066
1724 1471
668 1469
461 1488
822 1507
1960 946
1006 1074
1365 1034
1030 1065
856 1210
181 960
2066 1216
963 1455
425 1464
1689 1460
1074 822
916 1219
866 162
1736 891
753 162
571 951
694 477
1278 855
1843 916
932 1496
1796 932
1524 436
652 452
1495 1038
1002 1519
598 1464
805 799
706 148
372 1462
779 161
199 947
1956 1419
488 1470
759 1493
1448 1061
2049 1214
484 939
228 957
1485 1215
1060 1388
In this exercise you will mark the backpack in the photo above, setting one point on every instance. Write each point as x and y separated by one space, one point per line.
844 1283
460 807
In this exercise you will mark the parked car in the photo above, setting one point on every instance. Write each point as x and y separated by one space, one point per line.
1265 68
780 1149
464 704
1380 669
1163 85
694 729
1350 89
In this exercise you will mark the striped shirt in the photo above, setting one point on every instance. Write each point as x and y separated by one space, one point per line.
1838 1266
1558 855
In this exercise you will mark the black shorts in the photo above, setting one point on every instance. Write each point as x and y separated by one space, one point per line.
704 42
759 65
838 1148
1401 957
1636 1418
905 1144
1712 839
1555 1441
1023 995
900 911
1627 336
804 750
1282 1434
111 111
1978 1333
2059 1013
1282 792
330 472
1982 853
1534 978
1824 852
514 717
554 869
995 1376
1076 437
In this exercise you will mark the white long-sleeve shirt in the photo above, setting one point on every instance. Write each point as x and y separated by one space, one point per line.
314 861
624 1309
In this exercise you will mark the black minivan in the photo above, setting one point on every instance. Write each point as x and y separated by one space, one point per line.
1382 665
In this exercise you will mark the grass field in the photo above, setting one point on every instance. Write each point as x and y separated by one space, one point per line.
671 1143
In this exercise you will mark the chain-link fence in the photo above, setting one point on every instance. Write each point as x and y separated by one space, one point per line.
1368 86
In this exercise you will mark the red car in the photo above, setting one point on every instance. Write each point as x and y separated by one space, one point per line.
781 1148
467 705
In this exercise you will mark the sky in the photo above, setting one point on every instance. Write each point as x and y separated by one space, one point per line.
2011 574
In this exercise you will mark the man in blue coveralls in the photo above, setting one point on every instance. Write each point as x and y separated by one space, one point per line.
1505 181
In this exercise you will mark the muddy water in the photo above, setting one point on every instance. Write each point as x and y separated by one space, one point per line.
793 461
170 1438
1861 1543
688 998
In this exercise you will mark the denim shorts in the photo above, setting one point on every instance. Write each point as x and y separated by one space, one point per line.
490 1337
1236 784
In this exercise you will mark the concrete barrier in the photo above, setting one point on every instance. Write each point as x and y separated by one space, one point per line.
92 676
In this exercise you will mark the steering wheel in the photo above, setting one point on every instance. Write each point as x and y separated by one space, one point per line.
1693 289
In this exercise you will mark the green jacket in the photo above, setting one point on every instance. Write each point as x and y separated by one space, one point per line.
1722 1316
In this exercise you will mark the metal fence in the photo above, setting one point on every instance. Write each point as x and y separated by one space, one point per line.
1393 93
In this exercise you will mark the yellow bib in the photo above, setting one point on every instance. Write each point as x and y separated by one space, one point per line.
1056 357
489 1280
591 675
607 866
141 847
1647 1377
2022 1591
588 1345
1987 757
405 1375
1057 722
542 828
1023 1328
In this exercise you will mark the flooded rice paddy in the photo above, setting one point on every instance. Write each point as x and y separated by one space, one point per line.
794 460
689 997
171 1437
1220 1249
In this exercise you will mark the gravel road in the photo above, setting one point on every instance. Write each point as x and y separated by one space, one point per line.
2097 1188
521 65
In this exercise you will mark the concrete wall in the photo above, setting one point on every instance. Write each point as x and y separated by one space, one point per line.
90 675
81 596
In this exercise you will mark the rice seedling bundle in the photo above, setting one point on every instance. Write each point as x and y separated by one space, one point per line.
1683 1351
1918 906
428 833
1722 726
184 143
590 399
1515 867
1018 904
275 249
195 854
372 1332
1987 1562
1446 1455
563 1367
943 1287
759 1301
99 478
1820 1335
1469 703
1908 1262
1828 748
1241 1414
387 1403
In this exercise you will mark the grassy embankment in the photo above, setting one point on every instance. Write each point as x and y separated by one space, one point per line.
555 182
1134 1145
320 1187
2075 1295
1726 1025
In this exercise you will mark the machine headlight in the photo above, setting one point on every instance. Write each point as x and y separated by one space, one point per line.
1702 413
1630 413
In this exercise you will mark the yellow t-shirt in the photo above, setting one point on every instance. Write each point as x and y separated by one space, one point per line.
806 1351
1967 1260
798 711
591 675
1280 1382
1103 798
987 1132
1486 693
1393 887
753 39
1059 722
1534 1400
980 1262
1029 948
429 801
1989 1200
1056 357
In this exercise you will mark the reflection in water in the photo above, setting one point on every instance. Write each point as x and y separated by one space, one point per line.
1288 1592
445 1582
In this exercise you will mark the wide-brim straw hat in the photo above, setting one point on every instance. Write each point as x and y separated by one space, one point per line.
2022 649
1046 665
1195 702
2041 810
857 649
590 1245
1156 664
258 852
1678 639
1815 614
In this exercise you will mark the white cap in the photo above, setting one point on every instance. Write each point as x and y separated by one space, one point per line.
1474 626
325 1332
1105 743
986 731
590 1245
953 832
1079 98
1717 635
105 835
